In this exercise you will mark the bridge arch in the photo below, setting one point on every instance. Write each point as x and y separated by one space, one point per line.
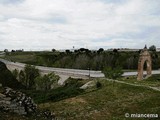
144 57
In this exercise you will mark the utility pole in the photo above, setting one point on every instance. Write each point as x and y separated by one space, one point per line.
89 73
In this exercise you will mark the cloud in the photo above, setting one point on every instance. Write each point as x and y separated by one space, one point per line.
61 24
10 1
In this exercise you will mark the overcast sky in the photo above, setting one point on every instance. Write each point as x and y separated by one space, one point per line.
62 24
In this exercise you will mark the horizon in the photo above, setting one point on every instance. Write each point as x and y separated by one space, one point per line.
72 49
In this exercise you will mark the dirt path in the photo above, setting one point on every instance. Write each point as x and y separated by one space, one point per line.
122 82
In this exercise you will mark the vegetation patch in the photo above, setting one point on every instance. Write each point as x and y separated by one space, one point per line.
109 102
83 59
153 81
71 89
7 79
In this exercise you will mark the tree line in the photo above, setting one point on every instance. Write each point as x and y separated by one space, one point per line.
96 60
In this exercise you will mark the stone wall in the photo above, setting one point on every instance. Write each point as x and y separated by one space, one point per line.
16 102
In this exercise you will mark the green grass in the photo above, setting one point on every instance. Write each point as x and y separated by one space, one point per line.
26 58
153 81
34 58
107 103
129 70
110 102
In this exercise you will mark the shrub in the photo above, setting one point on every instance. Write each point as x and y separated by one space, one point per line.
69 90
45 82
112 73
98 84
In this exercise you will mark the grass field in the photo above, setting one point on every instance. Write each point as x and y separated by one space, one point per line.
153 81
24 57
30 57
108 103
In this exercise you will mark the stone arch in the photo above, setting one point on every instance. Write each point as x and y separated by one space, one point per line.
144 57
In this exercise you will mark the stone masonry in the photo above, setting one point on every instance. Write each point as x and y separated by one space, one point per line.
144 57
16 102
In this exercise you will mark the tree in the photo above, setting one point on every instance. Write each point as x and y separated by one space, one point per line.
13 51
98 84
82 49
82 61
22 77
112 73
15 73
115 50
100 50
30 74
45 82
68 51
53 50
76 51
87 51
40 83
6 50
53 77
152 48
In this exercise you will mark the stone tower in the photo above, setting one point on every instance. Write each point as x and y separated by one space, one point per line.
144 57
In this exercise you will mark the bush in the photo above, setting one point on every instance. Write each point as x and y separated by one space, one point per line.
112 73
152 48
98 84
69 90
73 82
45 82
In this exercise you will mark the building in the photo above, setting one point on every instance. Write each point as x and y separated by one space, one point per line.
158 50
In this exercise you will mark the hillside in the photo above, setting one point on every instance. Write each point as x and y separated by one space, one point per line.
109 102
7 79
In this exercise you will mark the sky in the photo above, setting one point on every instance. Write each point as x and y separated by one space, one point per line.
92 24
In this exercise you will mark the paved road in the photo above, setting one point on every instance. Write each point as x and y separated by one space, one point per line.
70 72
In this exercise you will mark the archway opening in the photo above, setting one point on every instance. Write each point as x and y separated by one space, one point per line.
145 69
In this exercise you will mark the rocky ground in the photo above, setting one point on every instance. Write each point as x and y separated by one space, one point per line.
16 102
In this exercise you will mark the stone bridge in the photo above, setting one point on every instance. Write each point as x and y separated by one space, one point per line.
62 72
